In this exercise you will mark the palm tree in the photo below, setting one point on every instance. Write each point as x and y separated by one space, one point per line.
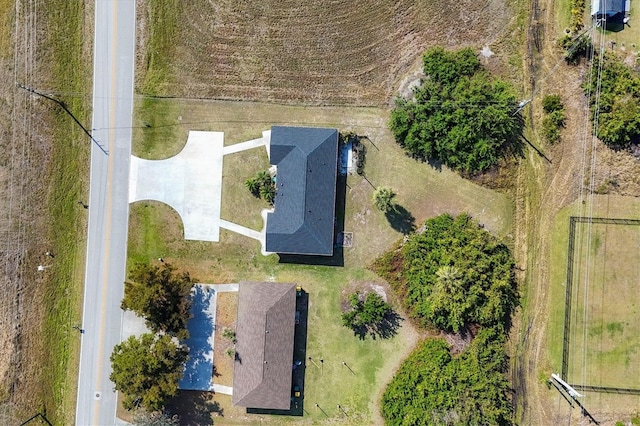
252 185
383 199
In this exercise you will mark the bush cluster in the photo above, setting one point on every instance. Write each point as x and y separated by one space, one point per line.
262 186
553 120
457 278
618 106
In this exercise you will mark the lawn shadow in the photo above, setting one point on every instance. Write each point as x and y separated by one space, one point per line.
338 253
401 219
194 407
299 362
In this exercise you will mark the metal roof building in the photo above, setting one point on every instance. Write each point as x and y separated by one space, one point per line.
264 348
607 8
304 215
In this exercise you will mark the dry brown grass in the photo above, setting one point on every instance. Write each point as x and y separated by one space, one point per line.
226 310
341 52
38 174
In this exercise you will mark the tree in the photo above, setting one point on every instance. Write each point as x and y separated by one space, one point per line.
161 296
459 116
147 369
454 274
618 104
366 314
383 199
433 387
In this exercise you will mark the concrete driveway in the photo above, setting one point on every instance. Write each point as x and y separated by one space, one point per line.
190 182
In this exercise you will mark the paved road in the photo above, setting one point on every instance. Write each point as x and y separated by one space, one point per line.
108 208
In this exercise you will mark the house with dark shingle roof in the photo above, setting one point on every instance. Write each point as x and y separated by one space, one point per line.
264 348
304 208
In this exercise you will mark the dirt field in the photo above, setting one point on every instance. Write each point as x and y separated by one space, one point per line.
343 52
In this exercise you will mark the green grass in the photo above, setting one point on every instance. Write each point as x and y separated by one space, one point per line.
155 230
63 295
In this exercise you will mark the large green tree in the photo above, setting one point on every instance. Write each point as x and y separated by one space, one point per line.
454 274
434 387
367 313
147 369
460 115
160 295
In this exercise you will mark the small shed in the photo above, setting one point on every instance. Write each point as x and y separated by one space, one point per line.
607 9
263 365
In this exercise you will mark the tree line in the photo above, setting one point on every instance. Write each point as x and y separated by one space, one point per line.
453 277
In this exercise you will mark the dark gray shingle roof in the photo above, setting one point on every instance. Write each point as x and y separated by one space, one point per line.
307 161
264 347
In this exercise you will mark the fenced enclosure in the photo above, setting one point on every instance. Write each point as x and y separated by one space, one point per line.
601 339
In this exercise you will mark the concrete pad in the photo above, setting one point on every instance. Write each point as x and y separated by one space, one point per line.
224 288
132 325
227 390
199 367
190 183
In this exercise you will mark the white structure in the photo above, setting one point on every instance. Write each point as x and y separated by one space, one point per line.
574 393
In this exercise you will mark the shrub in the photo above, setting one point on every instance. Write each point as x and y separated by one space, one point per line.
551 103
262 186
554 118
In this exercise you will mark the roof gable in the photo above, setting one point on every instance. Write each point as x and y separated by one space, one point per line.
307 161
264 347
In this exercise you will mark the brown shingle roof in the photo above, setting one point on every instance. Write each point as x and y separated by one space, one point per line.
264 347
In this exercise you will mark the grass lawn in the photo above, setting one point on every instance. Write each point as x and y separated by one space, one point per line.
155 231
66 49
606 314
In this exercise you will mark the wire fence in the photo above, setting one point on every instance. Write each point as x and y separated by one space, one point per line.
573 221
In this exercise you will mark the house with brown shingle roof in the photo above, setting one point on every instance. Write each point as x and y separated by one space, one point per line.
264 347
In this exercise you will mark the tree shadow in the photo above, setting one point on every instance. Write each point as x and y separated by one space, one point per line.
385 329
194 407
401 219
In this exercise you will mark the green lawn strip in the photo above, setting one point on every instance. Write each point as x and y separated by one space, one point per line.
63 296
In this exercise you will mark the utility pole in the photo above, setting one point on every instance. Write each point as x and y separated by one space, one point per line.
64 107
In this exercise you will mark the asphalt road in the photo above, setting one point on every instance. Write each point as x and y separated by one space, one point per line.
114 47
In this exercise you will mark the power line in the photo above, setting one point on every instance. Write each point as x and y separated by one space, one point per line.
64 107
